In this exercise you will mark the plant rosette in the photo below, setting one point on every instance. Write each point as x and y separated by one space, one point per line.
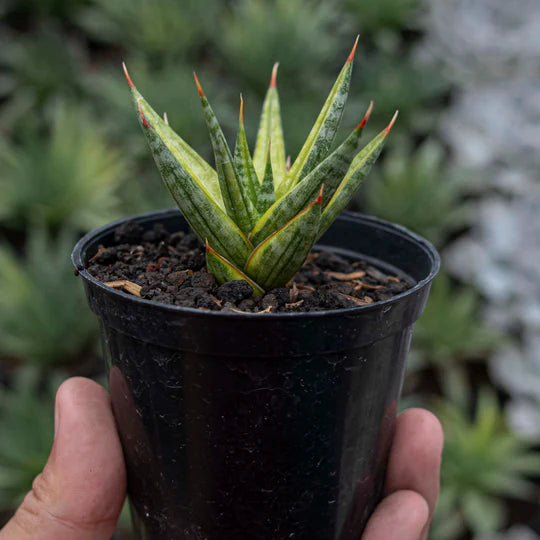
259 425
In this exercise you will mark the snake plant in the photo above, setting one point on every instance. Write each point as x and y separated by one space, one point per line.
258 215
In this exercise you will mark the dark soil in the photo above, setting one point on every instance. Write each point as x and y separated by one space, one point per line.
170 269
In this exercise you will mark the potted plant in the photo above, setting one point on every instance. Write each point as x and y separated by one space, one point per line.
256 398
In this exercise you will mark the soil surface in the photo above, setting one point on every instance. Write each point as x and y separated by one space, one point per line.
170 269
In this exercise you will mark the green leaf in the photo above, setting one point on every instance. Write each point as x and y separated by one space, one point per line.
483 513
224 270
270 130
322 133
331 171
201 211
244 164
267 197
358 170
237 202
187 157
276 260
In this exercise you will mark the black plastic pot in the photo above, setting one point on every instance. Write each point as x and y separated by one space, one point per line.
275 426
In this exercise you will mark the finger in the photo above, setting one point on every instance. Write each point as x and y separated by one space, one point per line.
403 515
415 459
80 492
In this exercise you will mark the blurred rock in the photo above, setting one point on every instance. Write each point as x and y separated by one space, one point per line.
466 37
493 129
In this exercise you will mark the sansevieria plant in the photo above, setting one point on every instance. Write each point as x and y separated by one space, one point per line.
258 216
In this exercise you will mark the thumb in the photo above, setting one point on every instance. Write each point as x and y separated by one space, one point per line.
80 492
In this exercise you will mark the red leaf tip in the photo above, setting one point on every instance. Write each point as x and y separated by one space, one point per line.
392 122
208 248
366 116
288 163
274 75
351 56
199 87
128 78
143 118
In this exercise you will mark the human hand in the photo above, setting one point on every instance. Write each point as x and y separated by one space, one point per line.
80 492
412 479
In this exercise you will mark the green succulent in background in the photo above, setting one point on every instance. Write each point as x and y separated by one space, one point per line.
35 71
394 15
161 31
483 462
27 427
258 217
41 321
257 32
67 178
415 188
451 327
417 85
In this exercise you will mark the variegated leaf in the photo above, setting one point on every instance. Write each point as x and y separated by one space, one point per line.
237 201
359 169
190 160
205 217
267 196
244 164
276 260
224 270
330 172
322 133
270 129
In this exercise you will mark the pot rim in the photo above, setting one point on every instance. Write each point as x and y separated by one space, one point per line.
428 248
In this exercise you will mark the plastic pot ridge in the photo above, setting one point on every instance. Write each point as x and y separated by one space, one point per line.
247 426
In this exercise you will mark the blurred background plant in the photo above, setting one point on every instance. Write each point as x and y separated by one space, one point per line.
461 169
36 328
417 188
485 464
23 452
67 176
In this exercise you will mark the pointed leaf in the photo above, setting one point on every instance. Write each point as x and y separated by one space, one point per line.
276 260
359 169
331 171
224 270
237 202
191 161
322 133
270 129
244 164
267 196
201 211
